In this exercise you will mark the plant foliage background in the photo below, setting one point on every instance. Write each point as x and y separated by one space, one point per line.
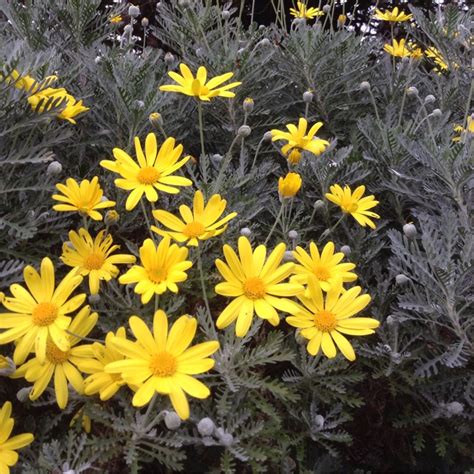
406 403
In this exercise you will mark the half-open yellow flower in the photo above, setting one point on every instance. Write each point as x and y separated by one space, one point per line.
85 197
324 320
162 362
354 204
255 283
162 267
40 313
289 185
395 15
305 12
438 59
199 86
399 49
298 140
9 445
201 223
63 365
92 257
151 172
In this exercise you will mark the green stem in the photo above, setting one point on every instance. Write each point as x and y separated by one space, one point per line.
277 220
256 153
332 229
152 235
201 128
203 283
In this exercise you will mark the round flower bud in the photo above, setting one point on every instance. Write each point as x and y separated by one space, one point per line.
217 158
390 320
412 91
245 231
409 230
341 19
437 113
308 97
94 299
169 59
97 59
429 99
206 427
326 8
54 168
225 14
364 86
111 217
8 366
133 11
289 185
139 104
145 22
227 439
267 137
172 420
264 43
319 205
128 29
288 256
401 279
23 394
244 131
292 234
248 105
346 250
455 408
319 421
155 119
104 198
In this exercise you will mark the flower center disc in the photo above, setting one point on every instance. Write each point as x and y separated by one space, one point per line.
148 175
325 321
322 273
163 364
54 354
157 275
44 314
254 288
94 261
194 229
350 207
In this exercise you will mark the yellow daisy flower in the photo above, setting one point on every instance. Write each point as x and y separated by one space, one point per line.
63 365
437 58
289 185
354 204
324 320
162 362
152 170
104 383
84 197
116 19
395 15
162 267
201 223
326 267
255 284
45 99
40 312
399 49
93 257
9 446
298 140
302 11
199 86
28 83
461 130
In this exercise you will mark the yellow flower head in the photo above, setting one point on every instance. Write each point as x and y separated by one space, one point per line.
201 223
93 257
152 171
28 83
162 267
199 86
62 364
469 130
84 197
68 107
399 49
437 58
289 185
326 267
341 19
9 445
255 283
395 15
298 140
116 19
302 11
40 313
324 320
162 362
415 51
104 383
354 204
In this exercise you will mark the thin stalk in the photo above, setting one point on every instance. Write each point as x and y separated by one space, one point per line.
277 220
201 128
148 224
203 283
332 229
84 338
256 153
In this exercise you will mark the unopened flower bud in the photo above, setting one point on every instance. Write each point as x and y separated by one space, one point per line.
94 299
248 105
23 394
225 14
244 131
308 97
139 104
7 366
155 119
267 137
294 156
390 320
410 230
401 279
169 59
437 113
406 59
172 420
133 11
412 91
364 86
54 168
288 256
264 43
292 234
319 421
326 8
98 59
145 22
199 51
341 19
206 427
217 158
429 99
111 217
245 231
319 205
346 250
227 439
128 29
455 408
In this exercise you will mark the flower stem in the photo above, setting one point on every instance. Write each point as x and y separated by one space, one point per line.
332 229
142 204
201 128
203 283
277 220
